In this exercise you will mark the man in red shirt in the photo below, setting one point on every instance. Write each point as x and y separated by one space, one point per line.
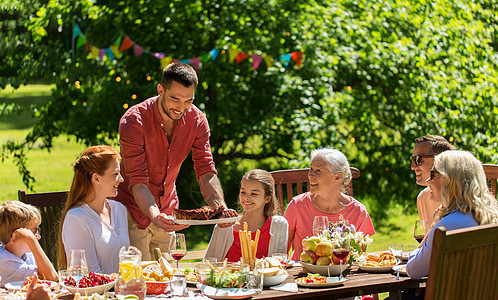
156 136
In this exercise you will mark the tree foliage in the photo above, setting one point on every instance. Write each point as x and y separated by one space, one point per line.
376 74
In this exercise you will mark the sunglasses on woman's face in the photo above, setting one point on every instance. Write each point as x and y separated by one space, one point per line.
433 173
418 160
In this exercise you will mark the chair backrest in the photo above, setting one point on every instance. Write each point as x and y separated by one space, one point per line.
464 264
491 172
50 205
295 182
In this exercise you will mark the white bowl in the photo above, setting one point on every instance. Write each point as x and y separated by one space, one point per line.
100 289
275 279
324 270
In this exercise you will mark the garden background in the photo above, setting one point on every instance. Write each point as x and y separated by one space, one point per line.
365 77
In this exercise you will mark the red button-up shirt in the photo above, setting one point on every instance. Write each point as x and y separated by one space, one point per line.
148 157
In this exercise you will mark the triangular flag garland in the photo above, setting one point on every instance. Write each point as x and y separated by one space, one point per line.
124 43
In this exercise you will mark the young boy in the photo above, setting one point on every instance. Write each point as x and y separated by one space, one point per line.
20 253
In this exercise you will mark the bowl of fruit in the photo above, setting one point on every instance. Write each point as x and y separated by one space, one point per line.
90 283
222 274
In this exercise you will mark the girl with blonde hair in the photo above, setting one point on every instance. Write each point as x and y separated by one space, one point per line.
90 221
457 179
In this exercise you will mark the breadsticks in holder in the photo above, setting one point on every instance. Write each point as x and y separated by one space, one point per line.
248 246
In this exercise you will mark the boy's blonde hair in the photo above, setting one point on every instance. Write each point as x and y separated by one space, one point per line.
15 215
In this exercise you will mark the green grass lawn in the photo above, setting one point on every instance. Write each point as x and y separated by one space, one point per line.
51 170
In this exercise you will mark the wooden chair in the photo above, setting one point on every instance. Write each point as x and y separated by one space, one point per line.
295 182
50 205
464 264
491 172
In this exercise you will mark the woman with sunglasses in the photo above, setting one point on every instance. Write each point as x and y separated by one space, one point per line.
458 180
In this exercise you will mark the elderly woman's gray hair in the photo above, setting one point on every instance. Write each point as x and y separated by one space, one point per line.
336 162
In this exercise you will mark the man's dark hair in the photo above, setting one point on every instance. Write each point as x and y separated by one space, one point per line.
438 143
179 72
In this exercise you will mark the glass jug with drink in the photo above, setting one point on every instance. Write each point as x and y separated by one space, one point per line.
130 279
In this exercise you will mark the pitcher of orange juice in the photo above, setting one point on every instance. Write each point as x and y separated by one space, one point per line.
130 279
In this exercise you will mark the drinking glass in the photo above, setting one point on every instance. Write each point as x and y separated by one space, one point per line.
397 251
178 286
320 225
420 230
341 251
255 281
77 268
177 247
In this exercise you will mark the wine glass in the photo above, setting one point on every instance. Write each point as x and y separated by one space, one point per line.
77 268
320 225
177 247
341 250
420 230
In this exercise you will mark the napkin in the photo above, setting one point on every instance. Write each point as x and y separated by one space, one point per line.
286 287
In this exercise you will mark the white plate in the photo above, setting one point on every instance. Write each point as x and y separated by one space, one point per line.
331 281
275 279
17 285
207 222
322 270
233 293
401 268
376 269
100 289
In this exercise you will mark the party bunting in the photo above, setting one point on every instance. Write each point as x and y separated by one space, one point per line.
165 61
76 31
195 62
241 57
232 54
109 53
268 60
297 57
124 42
81 41
138 50
101 54
214 53
256 60
286 58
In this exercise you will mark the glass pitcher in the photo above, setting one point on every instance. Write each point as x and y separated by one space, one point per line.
130 279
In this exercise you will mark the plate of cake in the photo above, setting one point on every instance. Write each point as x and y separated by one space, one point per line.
205 216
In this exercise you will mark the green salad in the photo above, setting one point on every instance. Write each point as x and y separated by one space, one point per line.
231 278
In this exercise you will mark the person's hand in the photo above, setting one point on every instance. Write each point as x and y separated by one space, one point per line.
37 291
22 234
162 221
225 225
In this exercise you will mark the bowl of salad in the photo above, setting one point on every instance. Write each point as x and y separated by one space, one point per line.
222 275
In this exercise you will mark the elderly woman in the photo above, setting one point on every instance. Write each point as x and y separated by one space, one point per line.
458 180
329 176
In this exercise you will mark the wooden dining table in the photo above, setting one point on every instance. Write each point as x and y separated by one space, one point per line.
358 283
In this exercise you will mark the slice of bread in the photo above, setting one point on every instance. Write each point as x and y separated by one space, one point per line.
165 265
268 272
274 262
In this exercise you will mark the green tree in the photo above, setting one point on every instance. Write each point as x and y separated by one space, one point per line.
376 74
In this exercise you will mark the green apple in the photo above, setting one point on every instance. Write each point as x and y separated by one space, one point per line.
311 243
